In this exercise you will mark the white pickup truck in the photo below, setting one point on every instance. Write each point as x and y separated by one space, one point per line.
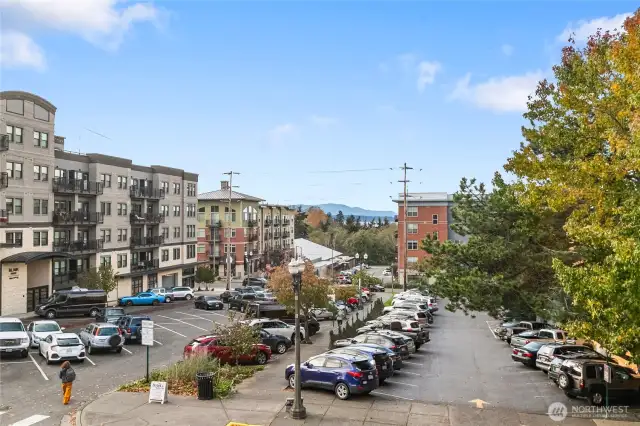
167 293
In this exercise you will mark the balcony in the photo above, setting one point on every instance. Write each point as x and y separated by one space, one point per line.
4 180
268 222
249 223
148 193
4 217
286 234
145 265
252 237
146 218
214 237
77 218
4 143
76 186
276 222
147 241
276 235
213 223
65 280
286 222
267 236
214 255
78 246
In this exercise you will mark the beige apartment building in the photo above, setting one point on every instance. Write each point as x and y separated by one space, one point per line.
63 213
276 229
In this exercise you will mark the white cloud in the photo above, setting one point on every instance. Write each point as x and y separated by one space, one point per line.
18 50
281 131
427 73
507 49
100 22
407 61
321 120
500 94
584 29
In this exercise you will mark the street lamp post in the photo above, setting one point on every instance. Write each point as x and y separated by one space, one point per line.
364 258
296 267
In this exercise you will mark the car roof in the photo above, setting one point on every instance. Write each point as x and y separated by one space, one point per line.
9 319
102 324
45 322
64 335
360 347
347 357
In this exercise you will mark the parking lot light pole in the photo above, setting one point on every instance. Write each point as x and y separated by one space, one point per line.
295 269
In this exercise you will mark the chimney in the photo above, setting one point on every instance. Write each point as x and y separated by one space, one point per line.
224 185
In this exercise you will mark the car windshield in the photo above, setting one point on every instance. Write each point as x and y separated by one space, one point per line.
114 312
46 327
211 298
68 341
533 346
11 326
107 331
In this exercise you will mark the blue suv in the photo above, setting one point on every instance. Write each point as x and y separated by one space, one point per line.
131 327
341 373
384 363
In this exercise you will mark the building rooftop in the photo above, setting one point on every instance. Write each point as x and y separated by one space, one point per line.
315 252
280 206
223 195
425 197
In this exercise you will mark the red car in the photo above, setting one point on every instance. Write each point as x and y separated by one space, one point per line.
212 346
353 301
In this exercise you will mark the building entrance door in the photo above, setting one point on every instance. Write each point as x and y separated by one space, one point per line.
35 296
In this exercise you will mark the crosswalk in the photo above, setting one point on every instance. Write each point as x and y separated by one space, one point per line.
29 421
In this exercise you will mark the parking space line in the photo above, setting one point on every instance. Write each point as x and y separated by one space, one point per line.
400 383
408 372
127 350
37 418
168 329
15 362
195 316
184 322
155 341
412 363
165 323
38 367
491 330
392 396
88 359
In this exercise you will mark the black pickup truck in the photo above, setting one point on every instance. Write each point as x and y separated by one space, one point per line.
408 328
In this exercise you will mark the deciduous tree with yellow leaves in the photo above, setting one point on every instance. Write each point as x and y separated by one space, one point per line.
582 154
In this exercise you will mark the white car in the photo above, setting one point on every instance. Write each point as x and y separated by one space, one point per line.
62 347
277 327
386 272
13 337
38 330
182 293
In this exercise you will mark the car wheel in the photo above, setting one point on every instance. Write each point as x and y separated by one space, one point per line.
563 381
261 358
24 353
119 349
89 349
154 303
382 381
281 348
81 360
129 303
342 391
292 381
50 314
167 300
188 297
93 313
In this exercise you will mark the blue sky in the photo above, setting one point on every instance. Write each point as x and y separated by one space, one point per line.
279 91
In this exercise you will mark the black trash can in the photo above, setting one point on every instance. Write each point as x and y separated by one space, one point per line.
205 385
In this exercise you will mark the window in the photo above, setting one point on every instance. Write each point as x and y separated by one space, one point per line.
412 228
333 363
122 209
226 248
106 180
152 280
191 231
229 233
191 210
105 235
228 218
40 113
165 233
412 245
164 210
176 210
434 219
40 238
176 188
435 235
40 207
191 251
122 261
14 170
176 253
202 249
14 238
316 362
412 260
15 106
15 134
191 189
14 205
41 139
122 235
202 233
105 208
136 285
165 187
176 232
105 260
165 255
122 182
412 212
40 173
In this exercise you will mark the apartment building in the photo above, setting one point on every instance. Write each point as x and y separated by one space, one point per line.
277 229
228 225
66 212
428 213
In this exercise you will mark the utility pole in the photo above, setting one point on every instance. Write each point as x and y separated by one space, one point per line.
229 225
404 225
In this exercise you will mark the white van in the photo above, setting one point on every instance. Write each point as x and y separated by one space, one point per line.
13 337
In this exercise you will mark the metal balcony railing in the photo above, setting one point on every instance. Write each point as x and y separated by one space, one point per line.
213 223
4 217
147 241
77 186
286 222
78 246
4 180
149 193
286 234
268 222
146 218
145 265
77 218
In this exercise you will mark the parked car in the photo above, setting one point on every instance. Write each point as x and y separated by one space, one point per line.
141 299
549 352
254 281
102 336
38 330
527 353
275 326
182 293
66 303
554 367
131 327
545 335
377 288
585 378
227 295
61 347
213 346
166 292
343 374
406 327
395 357
111 315
411 345
394 343
278 344
239 301
379 355
208 302
323 314
13 337
386 272
244 290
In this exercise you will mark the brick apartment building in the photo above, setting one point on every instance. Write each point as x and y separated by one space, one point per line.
62 213
428 213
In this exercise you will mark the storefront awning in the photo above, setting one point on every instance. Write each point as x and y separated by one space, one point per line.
32 256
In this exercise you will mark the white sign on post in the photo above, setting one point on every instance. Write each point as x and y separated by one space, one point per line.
158 392
607 373
147 333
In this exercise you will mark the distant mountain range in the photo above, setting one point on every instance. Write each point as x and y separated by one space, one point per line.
356 211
